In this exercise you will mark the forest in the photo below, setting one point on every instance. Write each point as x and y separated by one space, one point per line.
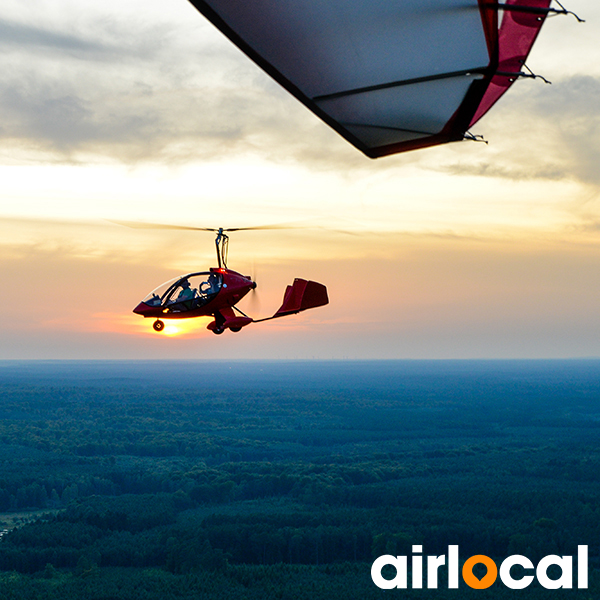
287 479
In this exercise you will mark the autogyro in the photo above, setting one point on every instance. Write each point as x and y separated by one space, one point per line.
216 292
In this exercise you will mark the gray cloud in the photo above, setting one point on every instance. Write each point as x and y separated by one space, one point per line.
544 132
140 92
18 35
575 113
174 93
67 93
98 40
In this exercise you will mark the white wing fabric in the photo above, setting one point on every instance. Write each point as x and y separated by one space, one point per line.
388 75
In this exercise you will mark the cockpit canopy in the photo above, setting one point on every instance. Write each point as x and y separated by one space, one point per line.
186 292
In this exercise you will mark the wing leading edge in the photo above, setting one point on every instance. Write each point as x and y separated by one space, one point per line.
387 76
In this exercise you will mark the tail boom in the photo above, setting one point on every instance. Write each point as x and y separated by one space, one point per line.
299 296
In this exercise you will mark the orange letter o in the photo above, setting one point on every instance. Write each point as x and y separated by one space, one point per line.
487 579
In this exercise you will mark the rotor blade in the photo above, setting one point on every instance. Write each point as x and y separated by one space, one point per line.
141 225
259 227
275 226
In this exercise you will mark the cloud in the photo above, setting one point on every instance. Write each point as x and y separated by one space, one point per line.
110 89
19 35
575 114
548 133
174 90
149 91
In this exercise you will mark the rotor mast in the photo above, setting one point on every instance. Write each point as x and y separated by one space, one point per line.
222 244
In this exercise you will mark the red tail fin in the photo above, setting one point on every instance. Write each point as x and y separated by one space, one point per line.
302 295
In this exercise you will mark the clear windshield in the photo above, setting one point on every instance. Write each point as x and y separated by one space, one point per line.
186 291
154 297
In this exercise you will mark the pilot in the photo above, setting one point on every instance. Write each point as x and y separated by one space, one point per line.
211 285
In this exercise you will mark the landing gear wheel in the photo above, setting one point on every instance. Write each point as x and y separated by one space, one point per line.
158 325
235 329
218 330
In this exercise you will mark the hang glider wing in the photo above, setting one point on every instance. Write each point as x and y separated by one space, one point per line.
388 75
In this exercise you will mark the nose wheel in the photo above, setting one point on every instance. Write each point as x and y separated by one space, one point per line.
158 325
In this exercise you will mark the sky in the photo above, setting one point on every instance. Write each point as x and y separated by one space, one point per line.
143 111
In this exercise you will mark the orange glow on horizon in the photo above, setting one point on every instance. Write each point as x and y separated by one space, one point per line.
137 326
179 327
174 327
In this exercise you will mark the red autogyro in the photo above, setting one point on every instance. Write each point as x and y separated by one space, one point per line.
216 292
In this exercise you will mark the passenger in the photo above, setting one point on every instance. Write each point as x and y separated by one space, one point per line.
187 293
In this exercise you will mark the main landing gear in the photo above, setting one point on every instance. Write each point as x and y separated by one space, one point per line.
158 325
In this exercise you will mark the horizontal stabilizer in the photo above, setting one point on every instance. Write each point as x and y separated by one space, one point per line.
302 295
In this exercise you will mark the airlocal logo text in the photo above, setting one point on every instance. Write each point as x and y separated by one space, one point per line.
518 578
